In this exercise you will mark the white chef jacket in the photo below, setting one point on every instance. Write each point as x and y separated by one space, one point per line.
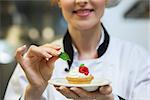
126 65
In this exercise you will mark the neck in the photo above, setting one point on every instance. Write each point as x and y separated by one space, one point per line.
86 41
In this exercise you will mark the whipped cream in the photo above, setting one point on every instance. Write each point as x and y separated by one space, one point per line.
75 73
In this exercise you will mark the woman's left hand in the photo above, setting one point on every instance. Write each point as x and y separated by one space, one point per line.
103 93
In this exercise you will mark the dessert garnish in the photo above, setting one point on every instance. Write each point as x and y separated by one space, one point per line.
83 69
79 75
64 56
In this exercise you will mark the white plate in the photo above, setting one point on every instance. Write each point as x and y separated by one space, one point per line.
89 87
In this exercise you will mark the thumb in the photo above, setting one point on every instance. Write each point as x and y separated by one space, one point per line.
19 54
52 60
105 90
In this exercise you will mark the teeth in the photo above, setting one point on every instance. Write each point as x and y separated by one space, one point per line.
83 10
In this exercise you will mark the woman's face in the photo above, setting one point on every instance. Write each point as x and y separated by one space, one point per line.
82 14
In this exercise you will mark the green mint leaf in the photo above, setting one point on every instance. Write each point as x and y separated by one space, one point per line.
64 56
81 65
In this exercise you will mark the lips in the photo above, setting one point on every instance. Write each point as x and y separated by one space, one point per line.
83 12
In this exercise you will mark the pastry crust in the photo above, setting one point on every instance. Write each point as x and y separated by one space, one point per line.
79 80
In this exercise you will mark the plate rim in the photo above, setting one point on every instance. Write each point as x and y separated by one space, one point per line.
106 82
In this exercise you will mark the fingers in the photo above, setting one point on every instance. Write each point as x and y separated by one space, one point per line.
54 46
67 92
36 51
105 90
52 60
42 51
52 51
78 93
19 53
57 87
81 93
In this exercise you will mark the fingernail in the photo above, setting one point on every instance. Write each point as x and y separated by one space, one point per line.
58 48
47 59
24 46
49 56
61 88
73 88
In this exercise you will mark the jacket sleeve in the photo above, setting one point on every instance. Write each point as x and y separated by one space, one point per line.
17 85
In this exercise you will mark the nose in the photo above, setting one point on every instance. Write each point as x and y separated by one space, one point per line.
81 2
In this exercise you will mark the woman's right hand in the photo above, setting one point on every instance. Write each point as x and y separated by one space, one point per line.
37 64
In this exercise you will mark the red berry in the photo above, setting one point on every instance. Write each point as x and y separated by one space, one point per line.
84 69
86 73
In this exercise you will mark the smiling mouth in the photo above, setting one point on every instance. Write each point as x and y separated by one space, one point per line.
83 10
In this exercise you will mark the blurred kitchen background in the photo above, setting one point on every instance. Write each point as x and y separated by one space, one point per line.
37 22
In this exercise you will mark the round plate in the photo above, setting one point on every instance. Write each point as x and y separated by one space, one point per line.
88 87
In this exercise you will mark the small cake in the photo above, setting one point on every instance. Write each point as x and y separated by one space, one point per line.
79 75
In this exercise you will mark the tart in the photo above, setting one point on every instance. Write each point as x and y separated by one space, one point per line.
79 75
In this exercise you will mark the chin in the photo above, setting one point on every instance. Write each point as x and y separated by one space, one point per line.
86 26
